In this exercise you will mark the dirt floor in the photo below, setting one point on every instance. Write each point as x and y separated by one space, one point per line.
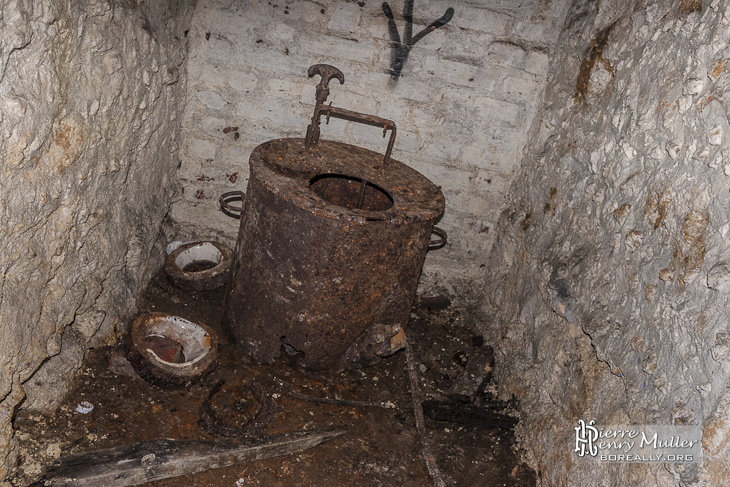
380 446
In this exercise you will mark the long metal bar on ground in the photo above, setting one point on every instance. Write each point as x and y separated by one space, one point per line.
162 459
431 465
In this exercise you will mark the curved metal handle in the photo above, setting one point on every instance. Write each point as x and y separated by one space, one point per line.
328 73
330 111
439 242
229 210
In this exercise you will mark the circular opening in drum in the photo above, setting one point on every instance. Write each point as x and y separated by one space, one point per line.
351 192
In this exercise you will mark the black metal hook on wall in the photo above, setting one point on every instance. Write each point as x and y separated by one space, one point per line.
401 49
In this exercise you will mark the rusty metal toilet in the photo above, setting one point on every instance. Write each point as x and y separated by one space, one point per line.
331 244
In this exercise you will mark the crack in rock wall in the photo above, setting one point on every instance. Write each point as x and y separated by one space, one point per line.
463 105
609 281
90 103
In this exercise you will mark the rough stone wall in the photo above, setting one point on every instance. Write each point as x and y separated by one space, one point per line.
467 96
608 283
90 108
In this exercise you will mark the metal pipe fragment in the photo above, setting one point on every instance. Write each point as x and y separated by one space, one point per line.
431 465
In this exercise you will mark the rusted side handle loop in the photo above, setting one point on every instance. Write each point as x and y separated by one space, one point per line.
226 198
439 241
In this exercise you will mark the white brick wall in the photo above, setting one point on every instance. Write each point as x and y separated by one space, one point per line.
463 106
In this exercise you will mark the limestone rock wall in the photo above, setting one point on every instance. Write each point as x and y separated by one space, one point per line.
90 112
607 292
467 96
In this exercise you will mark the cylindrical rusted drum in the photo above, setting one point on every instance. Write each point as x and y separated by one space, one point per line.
331 243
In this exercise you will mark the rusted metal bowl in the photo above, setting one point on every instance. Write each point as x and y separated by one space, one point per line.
199 266
171 351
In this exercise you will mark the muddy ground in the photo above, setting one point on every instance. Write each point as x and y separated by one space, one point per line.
380 446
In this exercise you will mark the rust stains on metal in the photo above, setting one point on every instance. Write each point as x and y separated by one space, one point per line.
322 271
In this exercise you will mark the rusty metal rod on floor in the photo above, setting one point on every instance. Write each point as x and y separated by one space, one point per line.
431 465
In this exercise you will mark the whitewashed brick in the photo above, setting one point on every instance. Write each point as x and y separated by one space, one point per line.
219 78
200 148
415 64
500 111
351 100
534 33
204 192
251 57
493 185
214 49
216 174
211 126
300 11
205 221
235 156
211 100
491 157
365 136
506 53
334 48
289 88
190 168
307 95
262 132
465 45
340 130
509 139
481 20
240 82
344 17
452 178
486 203
413 89
503 161
399 111
467 75
522 8
537 63
437 39
525 86
445 147
408 141
473 155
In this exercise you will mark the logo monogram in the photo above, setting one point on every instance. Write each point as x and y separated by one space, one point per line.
585 436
